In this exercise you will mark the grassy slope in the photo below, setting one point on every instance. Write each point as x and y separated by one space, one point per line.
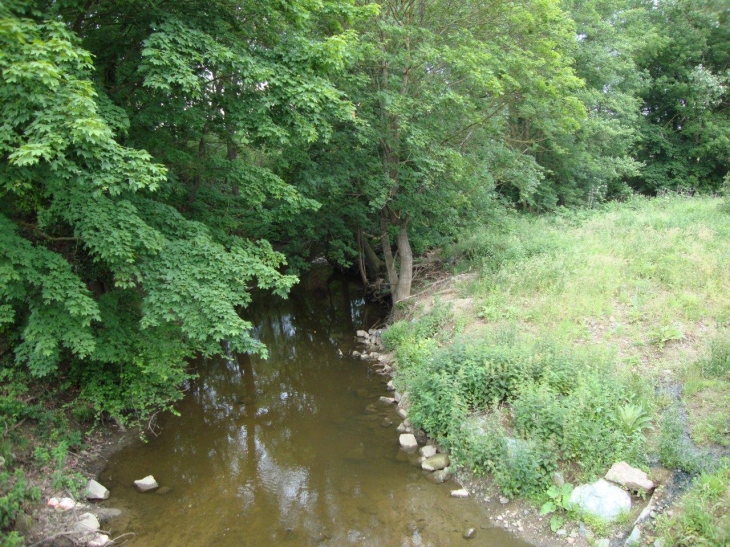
631 304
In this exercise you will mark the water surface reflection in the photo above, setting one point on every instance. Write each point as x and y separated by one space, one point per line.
291 450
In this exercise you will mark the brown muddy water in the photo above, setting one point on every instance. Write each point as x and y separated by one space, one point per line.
289 451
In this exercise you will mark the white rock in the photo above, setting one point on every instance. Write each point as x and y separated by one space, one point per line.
53 502
428 451
460 493
95 491
635 537
601 499
146 484
629 477
101 540
397 396
390 386
408 442
402 413
387 400
404 427
87 523
362 334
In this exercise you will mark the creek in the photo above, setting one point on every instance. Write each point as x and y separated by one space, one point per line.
293 450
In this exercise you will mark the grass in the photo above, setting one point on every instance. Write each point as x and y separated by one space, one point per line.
703 517
567 326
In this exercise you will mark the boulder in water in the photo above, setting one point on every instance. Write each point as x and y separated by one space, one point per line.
146 484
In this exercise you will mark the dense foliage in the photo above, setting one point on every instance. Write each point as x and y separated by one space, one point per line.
160 160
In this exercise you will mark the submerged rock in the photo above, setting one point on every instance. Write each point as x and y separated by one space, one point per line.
469 533
440 476
460 493
146 484
601 499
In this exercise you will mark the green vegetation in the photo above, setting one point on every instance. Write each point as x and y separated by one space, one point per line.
702 517
161 161
569 344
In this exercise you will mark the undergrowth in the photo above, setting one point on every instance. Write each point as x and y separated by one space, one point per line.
579 318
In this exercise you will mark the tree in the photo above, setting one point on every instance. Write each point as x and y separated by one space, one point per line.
118 257
685 122
439 88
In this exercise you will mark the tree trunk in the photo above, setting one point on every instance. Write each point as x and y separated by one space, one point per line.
405 270
388 255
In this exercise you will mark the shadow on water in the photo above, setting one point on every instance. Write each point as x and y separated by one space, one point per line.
292 450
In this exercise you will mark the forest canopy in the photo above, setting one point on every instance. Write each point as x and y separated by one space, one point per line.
161 160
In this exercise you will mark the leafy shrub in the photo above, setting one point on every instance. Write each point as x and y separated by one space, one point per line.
14 492
526 470
436 404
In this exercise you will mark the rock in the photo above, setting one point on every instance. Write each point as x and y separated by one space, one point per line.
146 484
106 513
604 542
469 533
356 353
387 422
87 523
101 540
562 532
387 400
440 476
164 490
95 491
428 451
646 512
362 334
601 499
53 502
66 504
404 427
390 386
503 500
629 477
460 493
635 537
397 396
434 463
408 442
402 413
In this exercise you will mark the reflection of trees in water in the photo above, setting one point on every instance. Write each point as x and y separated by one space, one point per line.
253 437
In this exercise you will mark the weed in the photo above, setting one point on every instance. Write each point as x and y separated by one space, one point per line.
559 500
632 419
